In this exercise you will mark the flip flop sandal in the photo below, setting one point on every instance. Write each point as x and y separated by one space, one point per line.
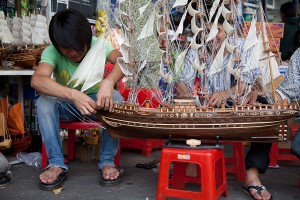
258 189
148 165
6 179
56 184
108 182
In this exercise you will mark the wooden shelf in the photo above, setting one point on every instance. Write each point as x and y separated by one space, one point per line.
251 5
17 72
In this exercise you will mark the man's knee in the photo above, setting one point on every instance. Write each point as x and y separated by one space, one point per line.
117 96
44 101
295 145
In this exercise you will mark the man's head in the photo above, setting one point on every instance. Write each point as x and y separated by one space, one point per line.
221 35
71 34
287 10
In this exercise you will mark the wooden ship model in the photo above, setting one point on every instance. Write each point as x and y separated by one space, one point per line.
5 139
192 118
6 38
30 34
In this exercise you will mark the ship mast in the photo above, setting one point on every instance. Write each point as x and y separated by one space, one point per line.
203 50
131 52
166 28
237 53
267 48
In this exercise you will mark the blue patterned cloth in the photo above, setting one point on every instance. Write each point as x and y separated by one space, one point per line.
223 80
289 87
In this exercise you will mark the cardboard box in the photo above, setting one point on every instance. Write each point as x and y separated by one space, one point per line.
274 44
86 152
278 59
274 30
283 69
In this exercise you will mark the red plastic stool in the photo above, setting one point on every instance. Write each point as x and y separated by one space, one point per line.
146 145
277 153
72 126
236 163
212 179
145 98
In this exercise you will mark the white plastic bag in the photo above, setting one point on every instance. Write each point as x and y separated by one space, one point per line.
32 159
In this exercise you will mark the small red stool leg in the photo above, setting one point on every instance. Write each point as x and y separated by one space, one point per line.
44 157
273 156
71 143
179 174
117 157
239 159
209 180
236 163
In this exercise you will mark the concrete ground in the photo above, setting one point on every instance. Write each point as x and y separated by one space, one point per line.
137 184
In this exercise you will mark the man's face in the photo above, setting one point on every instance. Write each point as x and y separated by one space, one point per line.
216 42
220 36
73 55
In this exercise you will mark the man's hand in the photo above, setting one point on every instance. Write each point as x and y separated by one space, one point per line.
85 104
217 97
251 97
105 95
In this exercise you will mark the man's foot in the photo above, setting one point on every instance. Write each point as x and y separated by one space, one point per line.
52 178
258 192
109 176
50 175
253 186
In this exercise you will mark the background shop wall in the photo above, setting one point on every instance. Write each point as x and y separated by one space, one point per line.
87 7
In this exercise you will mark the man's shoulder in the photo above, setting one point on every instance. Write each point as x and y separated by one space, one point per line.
50 50
50 55
296 55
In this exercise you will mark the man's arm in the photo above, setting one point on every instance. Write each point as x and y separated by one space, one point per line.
217 97
41 81
106 90
252 96
289 87
116 74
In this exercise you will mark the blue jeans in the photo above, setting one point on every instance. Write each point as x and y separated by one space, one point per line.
50 112
295 146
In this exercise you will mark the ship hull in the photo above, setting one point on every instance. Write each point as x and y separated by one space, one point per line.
234 125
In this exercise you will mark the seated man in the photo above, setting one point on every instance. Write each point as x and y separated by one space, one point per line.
71 37
220 86
289 90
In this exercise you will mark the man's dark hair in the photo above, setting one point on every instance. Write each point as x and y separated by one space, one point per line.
288 10
220 20
69 28
297 38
